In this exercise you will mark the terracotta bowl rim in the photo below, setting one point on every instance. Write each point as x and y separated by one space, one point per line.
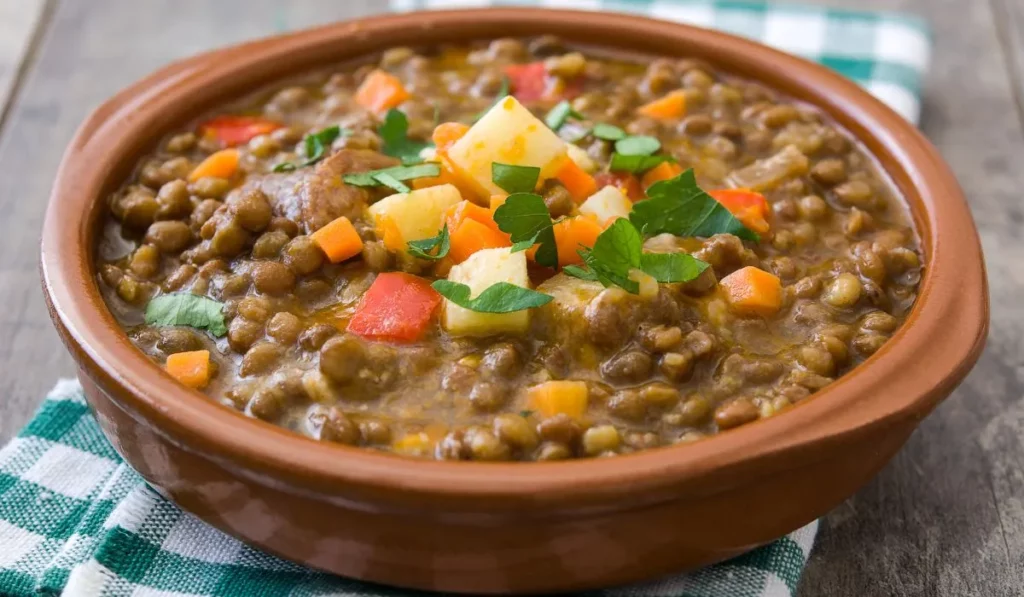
922 363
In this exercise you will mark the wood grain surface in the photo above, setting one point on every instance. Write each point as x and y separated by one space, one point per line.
945 518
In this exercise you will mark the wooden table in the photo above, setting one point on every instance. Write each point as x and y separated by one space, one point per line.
946 517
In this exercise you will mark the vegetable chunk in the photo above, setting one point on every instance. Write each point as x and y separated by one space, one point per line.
607 204
415 215
481 270
752 291
398 307
190 368
507 134
338 240
559 397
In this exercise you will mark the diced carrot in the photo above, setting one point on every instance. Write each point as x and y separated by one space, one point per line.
235 130
381 90
571 233
576 180
190 368
749 207
624 181
471 236
752 291
221 164
339 240
668 107
559 397
662 171
447 133
464 210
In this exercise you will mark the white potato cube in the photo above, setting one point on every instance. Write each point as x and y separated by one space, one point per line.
582 158
606 204
507 134
417 214
483 269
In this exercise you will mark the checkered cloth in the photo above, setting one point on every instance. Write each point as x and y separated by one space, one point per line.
887 53
74 519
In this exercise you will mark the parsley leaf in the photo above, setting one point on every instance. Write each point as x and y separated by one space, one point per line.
187 309
496 298
394 133
317 144
580 272
393 174
515 179
525 413
525 217
638 164
680 207
637 145
557 116
669 268
616 251
315 147
391 182
422 248
608 132
502 93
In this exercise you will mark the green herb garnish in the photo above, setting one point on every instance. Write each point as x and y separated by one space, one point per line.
525 413
525 217
391 182
284 167
392 175
618 251
318 143
608 132
669 268
637 145
497 298
422 248
394 133
637 164
680 207
515 179
557 116
502 94
187 309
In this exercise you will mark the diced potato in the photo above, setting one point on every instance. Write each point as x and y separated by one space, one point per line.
414 215
565 316
767 173
559 397
482 270
606 204
582 158
413 444
507 134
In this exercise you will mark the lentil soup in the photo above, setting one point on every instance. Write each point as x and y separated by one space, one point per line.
509 251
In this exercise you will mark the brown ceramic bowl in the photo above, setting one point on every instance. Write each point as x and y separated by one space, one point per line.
485 528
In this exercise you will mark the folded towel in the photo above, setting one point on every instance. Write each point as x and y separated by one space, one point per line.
76 520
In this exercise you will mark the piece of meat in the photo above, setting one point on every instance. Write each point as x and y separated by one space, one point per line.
313 197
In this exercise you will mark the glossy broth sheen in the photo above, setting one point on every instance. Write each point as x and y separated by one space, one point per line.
673 366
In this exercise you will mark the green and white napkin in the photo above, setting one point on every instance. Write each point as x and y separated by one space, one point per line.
887 53
76 520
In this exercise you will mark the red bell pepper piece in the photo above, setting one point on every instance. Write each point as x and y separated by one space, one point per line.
749 207
235 130
529 83
624 181
397 307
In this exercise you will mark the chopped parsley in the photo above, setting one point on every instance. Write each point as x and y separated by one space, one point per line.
557 116
392 176
422 248
187 309
501 297
525 217
680 207
515 179
394 132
